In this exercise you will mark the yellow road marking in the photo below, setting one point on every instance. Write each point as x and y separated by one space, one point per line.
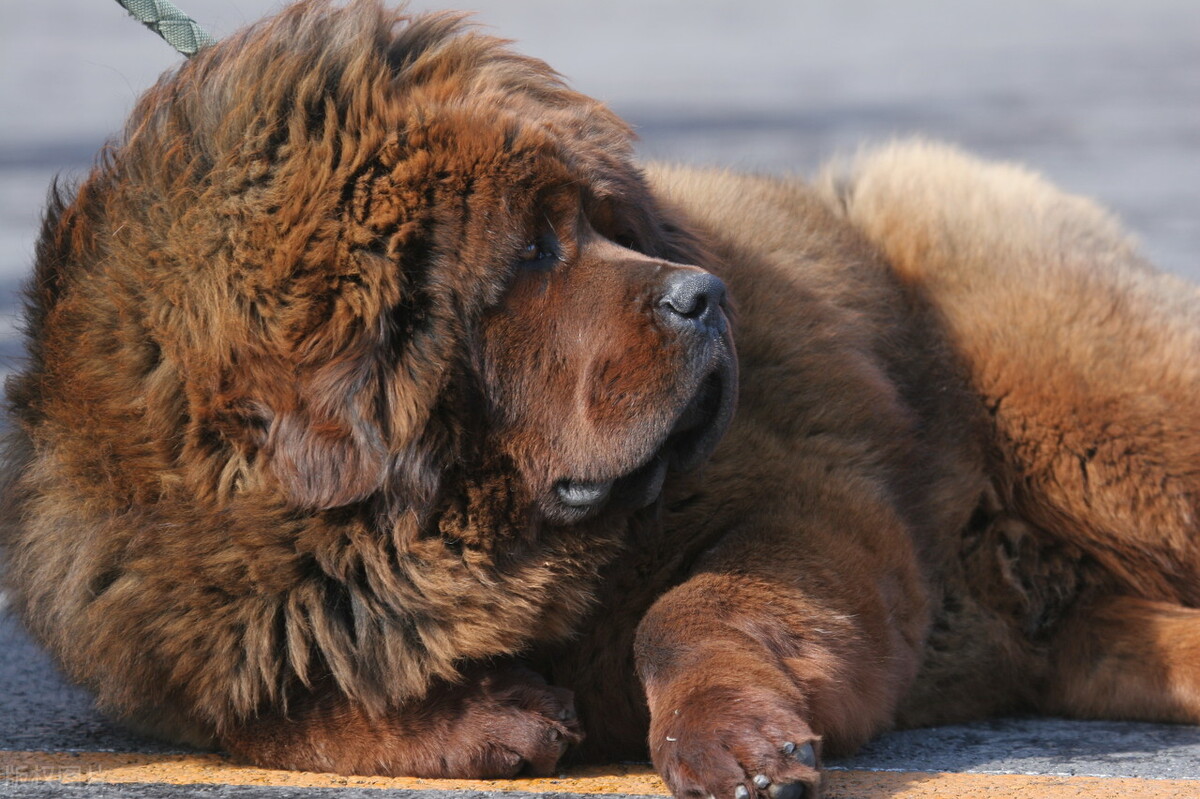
103 767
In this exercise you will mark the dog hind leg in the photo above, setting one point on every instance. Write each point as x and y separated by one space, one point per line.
1127 658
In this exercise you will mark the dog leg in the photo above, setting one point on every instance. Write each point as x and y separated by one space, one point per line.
750 673
496 724
1127 658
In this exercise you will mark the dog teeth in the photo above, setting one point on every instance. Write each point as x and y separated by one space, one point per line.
582 495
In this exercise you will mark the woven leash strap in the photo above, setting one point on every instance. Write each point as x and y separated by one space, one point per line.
180 30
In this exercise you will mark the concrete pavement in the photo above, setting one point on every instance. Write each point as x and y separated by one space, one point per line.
52 738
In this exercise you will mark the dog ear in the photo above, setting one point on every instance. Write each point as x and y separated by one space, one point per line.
329 450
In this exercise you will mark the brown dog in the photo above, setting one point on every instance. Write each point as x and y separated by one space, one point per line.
368 380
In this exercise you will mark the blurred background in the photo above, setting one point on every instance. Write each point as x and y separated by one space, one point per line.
1103 96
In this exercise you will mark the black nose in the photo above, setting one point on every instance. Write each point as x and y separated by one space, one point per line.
693 300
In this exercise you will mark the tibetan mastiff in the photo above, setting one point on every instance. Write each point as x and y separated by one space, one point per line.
379 417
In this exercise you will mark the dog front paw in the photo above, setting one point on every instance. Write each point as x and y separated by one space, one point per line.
735 744
491 724
510 723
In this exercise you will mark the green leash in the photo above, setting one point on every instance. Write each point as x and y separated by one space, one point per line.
180 30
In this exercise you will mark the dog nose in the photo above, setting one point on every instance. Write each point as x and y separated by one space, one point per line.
693 300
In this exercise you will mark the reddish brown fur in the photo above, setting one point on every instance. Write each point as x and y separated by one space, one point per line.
321 347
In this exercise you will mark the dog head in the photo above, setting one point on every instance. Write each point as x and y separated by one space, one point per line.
384 254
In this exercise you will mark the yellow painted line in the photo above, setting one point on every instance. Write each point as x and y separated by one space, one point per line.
915 785
103 767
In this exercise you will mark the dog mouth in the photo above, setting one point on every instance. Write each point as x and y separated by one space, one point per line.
692 438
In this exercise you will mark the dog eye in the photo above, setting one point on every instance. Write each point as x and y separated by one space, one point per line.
541 253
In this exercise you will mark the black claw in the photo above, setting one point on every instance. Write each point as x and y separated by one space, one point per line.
741 793
788 748
807 755
762 781
789 790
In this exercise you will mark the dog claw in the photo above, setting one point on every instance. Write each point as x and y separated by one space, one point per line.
762 781
807 755
741 793
789 790
788 748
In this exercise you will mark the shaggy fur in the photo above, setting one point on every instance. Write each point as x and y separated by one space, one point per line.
368 374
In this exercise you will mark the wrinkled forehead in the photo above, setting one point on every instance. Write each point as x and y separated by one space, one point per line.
527 145
500 166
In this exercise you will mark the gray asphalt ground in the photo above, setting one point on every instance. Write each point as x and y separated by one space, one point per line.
39 712
1103 96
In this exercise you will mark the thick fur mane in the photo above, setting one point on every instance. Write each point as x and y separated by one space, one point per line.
276 311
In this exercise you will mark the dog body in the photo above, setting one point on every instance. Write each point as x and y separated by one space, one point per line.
961 547
373 411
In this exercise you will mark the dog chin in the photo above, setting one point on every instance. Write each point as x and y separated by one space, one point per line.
692 438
